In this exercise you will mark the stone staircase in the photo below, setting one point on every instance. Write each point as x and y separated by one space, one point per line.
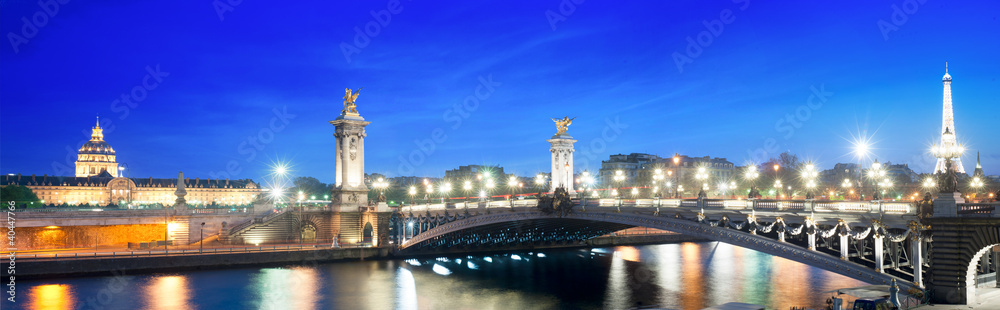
180 230
272 228
349 223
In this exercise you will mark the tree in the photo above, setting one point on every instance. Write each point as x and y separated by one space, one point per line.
20 194
309 186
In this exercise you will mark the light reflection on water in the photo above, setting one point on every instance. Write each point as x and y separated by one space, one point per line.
683 276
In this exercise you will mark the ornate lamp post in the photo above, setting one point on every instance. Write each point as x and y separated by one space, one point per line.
777 188
586 180
467 188
412 192
381 184
677 177
809 174
619 179
702 177
445 189
877 175
847 186
540 183
977 184
751 177
657 178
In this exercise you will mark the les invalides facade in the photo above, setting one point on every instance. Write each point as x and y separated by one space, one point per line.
98 182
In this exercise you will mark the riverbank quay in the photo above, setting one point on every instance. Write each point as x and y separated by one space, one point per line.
134 262
91 262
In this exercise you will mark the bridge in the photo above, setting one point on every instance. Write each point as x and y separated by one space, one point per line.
874 241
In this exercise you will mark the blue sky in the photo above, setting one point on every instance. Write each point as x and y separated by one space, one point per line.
241 87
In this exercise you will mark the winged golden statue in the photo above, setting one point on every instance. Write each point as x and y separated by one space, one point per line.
349 106
563 124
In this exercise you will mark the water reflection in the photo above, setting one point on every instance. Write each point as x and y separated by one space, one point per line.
693 295
168 292
618 293
686 275
281 288
406 289
51 296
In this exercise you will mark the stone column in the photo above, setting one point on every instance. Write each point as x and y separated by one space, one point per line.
916 259
879 254
350 191
562 162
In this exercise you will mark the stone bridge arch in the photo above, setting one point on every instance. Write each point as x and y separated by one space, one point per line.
957 246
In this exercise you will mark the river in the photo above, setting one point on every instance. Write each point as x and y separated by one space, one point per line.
690 275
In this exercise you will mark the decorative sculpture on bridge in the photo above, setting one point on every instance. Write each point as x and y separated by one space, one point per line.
947 179
349 106
560 202
562 124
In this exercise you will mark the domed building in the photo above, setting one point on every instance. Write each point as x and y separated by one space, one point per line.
96 156
98 182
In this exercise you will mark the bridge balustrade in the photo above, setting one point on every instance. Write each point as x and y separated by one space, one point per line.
978 209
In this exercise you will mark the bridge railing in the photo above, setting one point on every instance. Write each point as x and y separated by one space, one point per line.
979 209
707 204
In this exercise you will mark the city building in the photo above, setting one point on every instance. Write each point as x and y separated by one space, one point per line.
640 169
901 173
841 172
96 156
98 181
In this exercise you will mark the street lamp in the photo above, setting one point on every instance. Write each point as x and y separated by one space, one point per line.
412 192
977 183
777 188
677 162
929 183
751 177
702 176
619 179
809 174
201 236
467 187
657 177
512 185
381 184
445 189
877 175
540 183
847 186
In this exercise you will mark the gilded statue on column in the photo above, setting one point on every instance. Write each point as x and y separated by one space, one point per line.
563 124
349 98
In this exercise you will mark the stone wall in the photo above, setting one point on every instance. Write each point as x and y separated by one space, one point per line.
34 238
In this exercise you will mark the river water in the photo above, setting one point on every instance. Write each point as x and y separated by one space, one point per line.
690 275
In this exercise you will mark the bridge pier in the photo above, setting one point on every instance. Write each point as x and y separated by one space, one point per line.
879 256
